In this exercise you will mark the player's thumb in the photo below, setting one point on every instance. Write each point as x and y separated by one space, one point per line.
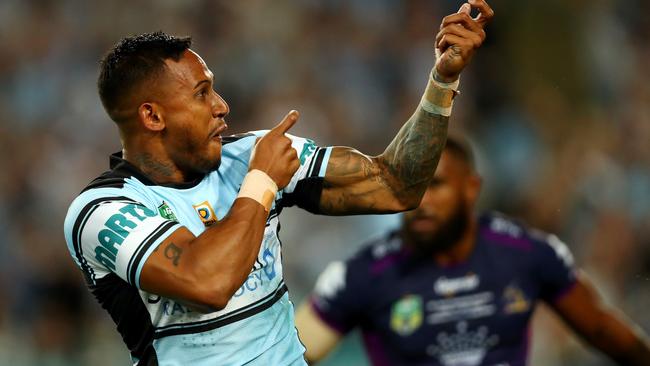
465 8
287 122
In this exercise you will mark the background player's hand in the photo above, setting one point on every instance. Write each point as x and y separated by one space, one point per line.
459 36
274 155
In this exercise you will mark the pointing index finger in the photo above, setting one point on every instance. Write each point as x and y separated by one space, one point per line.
287 122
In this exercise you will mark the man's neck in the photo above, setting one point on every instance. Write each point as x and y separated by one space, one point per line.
157 167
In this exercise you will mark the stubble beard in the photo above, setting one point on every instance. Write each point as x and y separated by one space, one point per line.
444 238
197 161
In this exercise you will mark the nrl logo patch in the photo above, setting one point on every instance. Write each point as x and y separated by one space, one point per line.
406 315
206 213
166 212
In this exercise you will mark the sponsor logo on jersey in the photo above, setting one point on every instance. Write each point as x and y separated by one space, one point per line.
464 347
206 213
116 229
406 315
167 212
450 286
461 307
172 308
515 300
261 276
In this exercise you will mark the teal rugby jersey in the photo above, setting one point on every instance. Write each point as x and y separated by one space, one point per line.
115 224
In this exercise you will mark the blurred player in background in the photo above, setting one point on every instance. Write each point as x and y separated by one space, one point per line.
451 288
179 240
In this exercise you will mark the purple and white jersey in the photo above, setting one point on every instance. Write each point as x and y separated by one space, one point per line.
412 311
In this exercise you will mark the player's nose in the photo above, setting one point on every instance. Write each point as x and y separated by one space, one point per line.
219 107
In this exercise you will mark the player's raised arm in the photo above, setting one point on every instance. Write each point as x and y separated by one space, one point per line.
396 179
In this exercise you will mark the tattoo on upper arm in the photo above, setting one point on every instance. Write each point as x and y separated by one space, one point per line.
347 165
173 253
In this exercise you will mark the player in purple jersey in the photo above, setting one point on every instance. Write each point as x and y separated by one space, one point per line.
451 288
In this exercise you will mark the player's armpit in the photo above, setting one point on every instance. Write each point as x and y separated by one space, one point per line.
603 327
319 338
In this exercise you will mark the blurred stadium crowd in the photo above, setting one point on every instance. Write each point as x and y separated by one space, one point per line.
557 104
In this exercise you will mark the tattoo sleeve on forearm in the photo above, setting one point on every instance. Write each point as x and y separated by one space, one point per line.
412 156
356 183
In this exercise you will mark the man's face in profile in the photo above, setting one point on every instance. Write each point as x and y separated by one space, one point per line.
193 113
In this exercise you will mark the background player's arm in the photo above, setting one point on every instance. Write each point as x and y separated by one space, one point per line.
602 327
396 179
318 337
205 271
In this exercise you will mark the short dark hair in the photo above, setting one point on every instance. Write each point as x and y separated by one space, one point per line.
461 149
134 60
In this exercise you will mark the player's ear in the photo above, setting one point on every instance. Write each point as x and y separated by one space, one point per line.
150 115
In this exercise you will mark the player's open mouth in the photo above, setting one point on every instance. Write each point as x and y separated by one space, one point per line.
216 134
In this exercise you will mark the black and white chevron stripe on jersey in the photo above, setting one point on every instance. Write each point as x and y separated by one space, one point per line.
234 316
78 227
134 262
317 161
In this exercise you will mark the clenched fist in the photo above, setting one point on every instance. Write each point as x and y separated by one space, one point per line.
459 36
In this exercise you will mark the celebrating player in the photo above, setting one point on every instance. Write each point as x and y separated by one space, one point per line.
453 289
178 240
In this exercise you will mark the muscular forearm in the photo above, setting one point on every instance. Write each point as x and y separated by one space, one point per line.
619 340
639 354
225 253
411 158
205 271
393 181
601 326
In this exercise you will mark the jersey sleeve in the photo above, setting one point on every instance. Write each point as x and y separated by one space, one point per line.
555 268
313 161
339 296
114 234
304 189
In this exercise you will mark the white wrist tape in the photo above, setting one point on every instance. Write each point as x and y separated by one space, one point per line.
260 187
438 97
